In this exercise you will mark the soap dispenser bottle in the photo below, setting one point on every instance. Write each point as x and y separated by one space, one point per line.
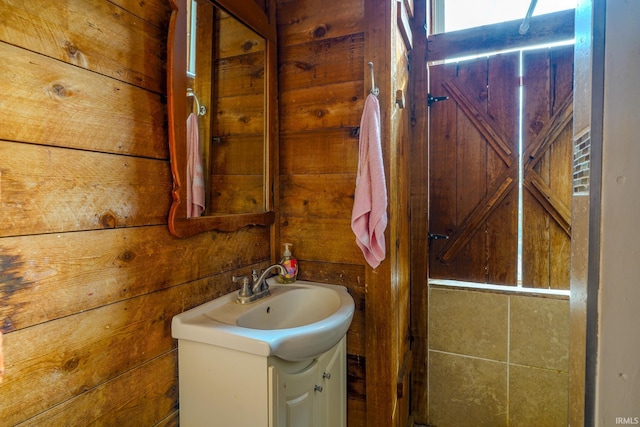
290 264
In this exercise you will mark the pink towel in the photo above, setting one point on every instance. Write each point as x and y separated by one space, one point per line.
195 176
369 215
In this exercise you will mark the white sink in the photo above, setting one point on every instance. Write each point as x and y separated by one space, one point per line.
298 321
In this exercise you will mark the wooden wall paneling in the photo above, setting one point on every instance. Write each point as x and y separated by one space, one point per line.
53 103
419 169
320 151
91 347
53 30
72 190
303 21
321 239
156 12
349 275
331 106
85 311
356 391
357 330
318 195
322 61
502 224
111 404
49 276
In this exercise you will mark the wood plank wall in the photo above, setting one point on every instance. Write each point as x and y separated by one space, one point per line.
321 87
89 275
323 82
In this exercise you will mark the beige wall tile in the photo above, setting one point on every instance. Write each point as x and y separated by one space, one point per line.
468 322
537 397
539 329
466 391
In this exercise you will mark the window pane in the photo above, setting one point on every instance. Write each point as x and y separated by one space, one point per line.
461 14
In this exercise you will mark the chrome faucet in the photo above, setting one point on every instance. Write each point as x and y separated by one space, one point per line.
259 281
259 288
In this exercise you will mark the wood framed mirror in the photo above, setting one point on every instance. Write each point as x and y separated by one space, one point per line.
221 85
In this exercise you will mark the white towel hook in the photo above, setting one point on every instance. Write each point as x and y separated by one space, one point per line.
201 110
374 89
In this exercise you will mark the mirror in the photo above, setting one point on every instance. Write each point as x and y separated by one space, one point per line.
222 115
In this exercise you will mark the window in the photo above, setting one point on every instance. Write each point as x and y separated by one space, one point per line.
453 15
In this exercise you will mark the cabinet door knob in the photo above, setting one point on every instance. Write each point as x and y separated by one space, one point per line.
317 388
326 376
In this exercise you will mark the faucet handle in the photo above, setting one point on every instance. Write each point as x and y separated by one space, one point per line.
246 288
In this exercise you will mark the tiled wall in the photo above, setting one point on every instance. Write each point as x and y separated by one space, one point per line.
581 162
497 359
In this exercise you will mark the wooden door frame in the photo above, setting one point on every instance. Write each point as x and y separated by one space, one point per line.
419 152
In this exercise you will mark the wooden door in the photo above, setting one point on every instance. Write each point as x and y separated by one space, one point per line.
476 169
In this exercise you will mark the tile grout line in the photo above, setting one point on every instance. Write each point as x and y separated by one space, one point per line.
468 356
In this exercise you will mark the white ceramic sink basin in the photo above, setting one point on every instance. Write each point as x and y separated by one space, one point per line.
297 321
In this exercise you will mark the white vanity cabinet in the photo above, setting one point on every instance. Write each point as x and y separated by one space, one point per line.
312 397
223 387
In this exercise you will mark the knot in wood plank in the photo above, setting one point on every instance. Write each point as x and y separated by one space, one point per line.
71 364
320 31
71 49
59 90
248 45
536 126
108 220
127 256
